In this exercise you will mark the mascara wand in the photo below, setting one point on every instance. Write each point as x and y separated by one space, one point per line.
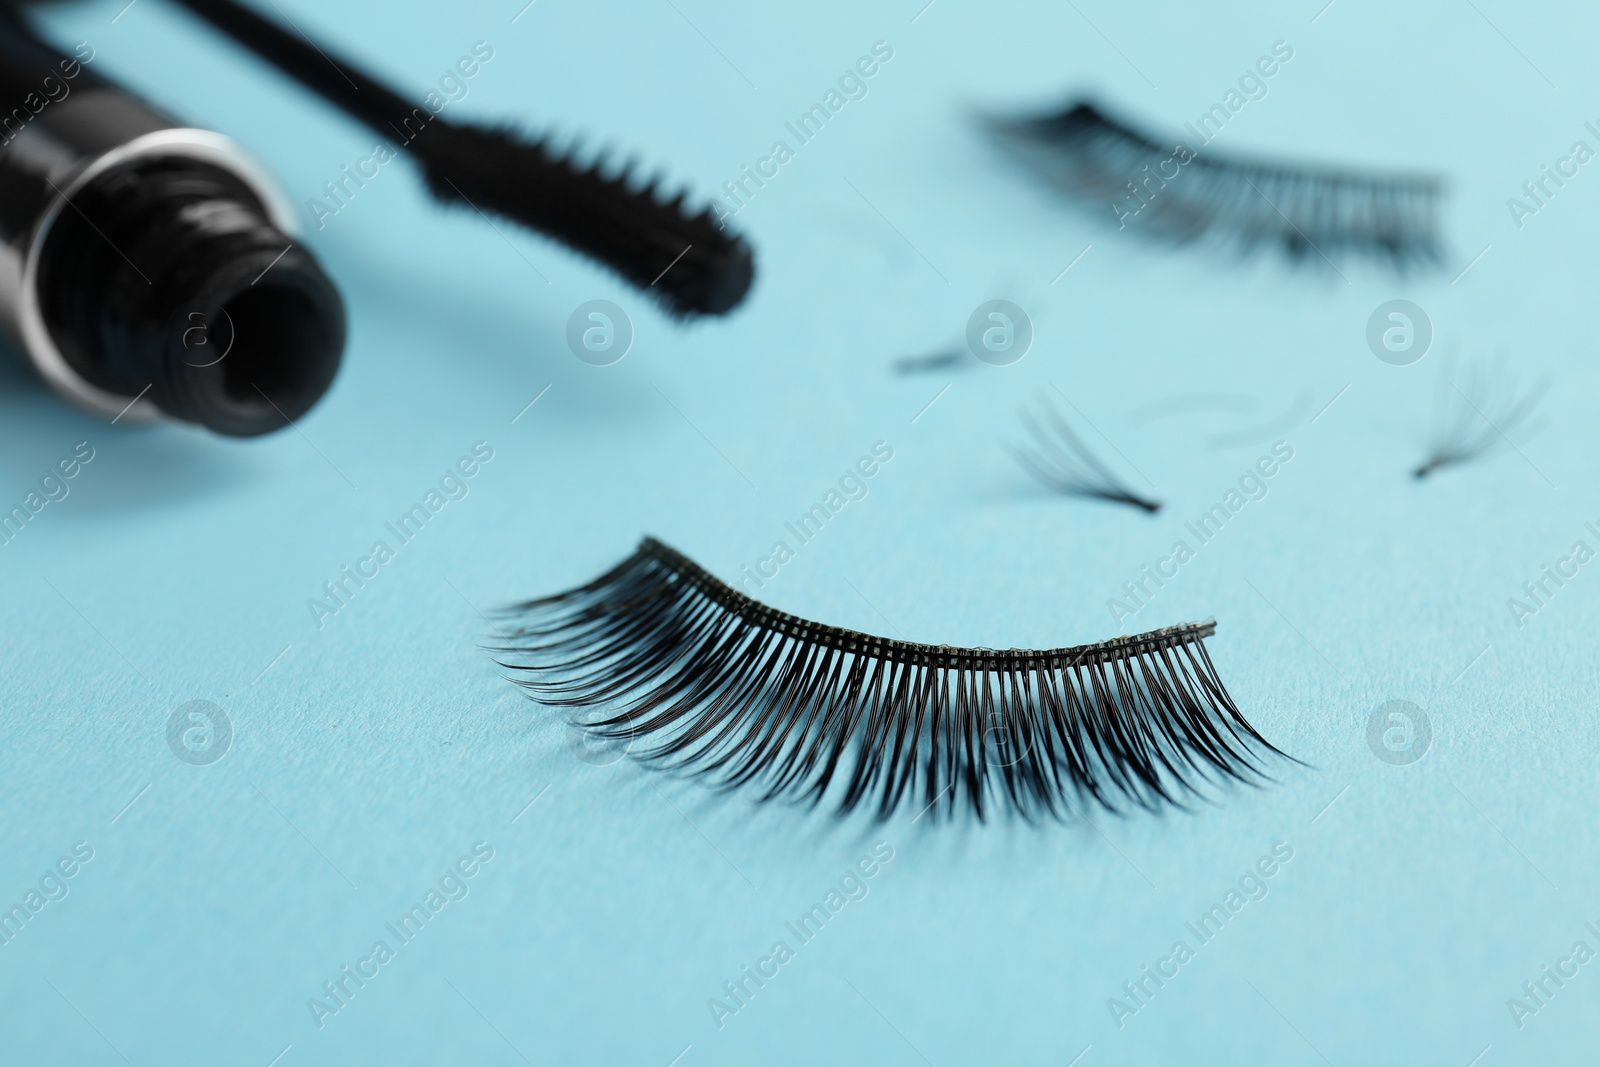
688 261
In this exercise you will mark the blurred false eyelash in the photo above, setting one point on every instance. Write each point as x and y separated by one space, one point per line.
928 362
1058 459
750 696
1305 210
957 355
1480 419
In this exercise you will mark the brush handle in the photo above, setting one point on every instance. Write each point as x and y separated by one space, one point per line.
333 77
682 258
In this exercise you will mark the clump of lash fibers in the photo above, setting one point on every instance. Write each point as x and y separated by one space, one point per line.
1058 459
1479 420
749 696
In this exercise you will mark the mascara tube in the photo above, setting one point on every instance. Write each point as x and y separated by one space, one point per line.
147 269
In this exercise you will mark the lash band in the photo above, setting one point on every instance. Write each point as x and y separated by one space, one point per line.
916 653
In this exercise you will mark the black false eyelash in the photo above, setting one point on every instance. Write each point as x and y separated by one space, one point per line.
749 695
1058 459
1478 420
684 259
1182 192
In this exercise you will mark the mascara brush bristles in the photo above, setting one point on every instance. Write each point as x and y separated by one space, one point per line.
747 696
688 261
684 259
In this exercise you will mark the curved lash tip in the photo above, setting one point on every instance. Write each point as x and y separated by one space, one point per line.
1057 458
1479 420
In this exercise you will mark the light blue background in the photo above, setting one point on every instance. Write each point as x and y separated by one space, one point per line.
377 749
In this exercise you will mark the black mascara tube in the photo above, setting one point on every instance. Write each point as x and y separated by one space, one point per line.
146 268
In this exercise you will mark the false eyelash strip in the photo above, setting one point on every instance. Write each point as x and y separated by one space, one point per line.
1171 190
751 696
1480 419
1059 460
